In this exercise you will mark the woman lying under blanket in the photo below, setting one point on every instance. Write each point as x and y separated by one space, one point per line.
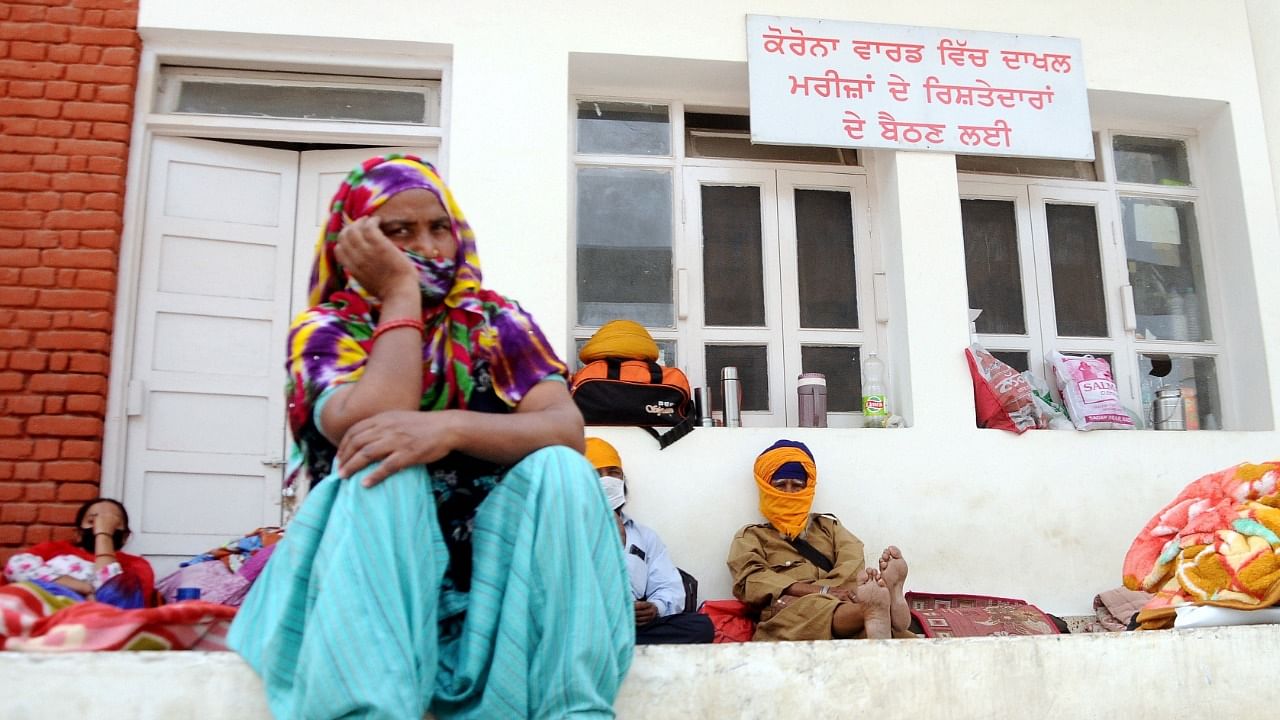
89 595
92 568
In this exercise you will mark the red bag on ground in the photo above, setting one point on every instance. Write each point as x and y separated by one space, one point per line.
734 620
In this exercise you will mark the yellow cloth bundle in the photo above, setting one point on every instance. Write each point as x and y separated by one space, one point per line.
624 339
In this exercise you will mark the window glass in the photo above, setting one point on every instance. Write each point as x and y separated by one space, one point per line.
1163 250
753 370
732 256
614 128
624 246
824 249
1016 359
1041 167
1198 378
841 366
307 102
991 265
719 135
1152 161
1076 264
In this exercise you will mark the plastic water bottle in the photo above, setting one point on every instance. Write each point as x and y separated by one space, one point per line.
875 400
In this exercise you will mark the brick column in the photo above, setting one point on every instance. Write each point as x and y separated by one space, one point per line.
67 77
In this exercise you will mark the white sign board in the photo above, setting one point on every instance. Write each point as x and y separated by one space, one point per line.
847 84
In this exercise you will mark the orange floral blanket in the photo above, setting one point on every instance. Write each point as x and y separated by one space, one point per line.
1217 543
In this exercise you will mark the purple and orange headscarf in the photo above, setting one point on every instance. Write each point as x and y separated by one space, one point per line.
786 511
330 343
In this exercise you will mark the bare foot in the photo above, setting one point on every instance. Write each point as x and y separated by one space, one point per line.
893 569
873 596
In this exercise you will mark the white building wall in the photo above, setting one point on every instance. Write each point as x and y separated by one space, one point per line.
1046 516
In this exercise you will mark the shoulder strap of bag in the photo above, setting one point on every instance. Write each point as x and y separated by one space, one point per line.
684 427
812 554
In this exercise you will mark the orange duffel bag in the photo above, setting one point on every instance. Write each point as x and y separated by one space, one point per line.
614 391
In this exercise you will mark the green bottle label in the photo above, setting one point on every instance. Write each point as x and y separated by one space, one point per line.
874 405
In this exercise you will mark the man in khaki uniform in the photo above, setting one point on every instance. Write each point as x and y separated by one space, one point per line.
806 571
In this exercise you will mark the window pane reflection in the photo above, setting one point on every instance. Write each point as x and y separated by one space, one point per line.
615 128
732 258
1163 251
1076 264
1015 359
1198 378
824 249
753 370
624 246
992 267
840 365
1153 161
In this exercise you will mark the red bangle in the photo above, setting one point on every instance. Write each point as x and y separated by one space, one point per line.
398 323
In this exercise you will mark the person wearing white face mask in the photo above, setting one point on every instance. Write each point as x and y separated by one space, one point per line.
655 582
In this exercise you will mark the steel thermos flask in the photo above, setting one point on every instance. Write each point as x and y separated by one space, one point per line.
732 388
811 397
1168 412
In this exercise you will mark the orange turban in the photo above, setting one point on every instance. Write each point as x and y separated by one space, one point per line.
786 511
625 339
601 454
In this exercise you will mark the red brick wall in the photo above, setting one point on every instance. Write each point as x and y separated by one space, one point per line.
67 76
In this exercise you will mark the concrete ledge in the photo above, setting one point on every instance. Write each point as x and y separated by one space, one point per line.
1192 673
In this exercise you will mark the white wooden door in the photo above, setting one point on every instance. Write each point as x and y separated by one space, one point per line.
205 426
229 235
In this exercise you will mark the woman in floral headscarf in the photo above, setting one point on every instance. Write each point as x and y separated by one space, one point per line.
804 571
454 554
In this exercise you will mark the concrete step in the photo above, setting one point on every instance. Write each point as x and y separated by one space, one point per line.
1187 673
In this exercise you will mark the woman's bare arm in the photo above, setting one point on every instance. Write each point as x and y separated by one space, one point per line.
392 378
398 439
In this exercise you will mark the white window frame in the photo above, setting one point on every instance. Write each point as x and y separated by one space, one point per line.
1029 195
779 181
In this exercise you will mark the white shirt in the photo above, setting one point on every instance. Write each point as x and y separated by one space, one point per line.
653 575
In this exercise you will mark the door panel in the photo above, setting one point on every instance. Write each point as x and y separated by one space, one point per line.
230 232
780 270
756 271
205 410
826 266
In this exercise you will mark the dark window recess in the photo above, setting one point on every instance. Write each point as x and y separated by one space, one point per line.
991 265
753 370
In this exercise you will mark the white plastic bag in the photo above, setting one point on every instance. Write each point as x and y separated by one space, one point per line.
1052 415
1089 392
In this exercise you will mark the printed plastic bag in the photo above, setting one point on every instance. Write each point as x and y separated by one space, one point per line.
1001 395
1051 411
1089 392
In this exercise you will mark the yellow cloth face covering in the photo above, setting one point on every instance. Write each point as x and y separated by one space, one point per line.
786 511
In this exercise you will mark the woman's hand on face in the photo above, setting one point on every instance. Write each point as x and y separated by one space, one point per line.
107 519
373 260
397 439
